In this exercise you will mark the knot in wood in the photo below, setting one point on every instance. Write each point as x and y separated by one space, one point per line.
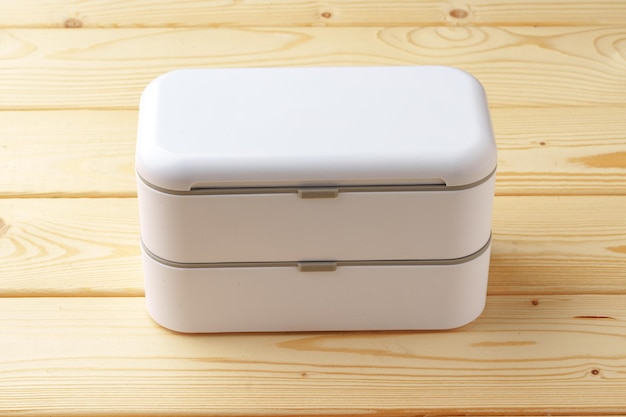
73 23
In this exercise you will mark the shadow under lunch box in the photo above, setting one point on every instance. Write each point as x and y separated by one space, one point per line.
306 199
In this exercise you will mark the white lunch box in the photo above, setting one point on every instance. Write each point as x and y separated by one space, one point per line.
301 199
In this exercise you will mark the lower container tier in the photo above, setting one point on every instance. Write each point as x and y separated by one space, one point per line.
419 296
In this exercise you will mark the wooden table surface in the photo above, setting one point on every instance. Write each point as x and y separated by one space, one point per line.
75 338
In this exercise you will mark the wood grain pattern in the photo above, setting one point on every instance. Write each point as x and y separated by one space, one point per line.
74 355
90 247
69 247
562 245
145 13
519 66
561 150
86 153
75 338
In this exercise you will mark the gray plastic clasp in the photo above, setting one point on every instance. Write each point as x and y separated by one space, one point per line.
324 192
317 266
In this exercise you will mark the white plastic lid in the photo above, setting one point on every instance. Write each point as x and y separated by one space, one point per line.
266 127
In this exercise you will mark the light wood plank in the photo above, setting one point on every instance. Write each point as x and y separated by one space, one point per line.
90 247
555 151
69 247
147 13
83 356
519 66
79 153
560 150
561 245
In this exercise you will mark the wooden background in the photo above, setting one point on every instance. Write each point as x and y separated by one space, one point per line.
74 335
